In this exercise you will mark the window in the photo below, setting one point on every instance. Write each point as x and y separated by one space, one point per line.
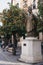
17 4
41 1
34 5
25 3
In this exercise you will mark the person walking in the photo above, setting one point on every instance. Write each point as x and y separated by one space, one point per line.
3 45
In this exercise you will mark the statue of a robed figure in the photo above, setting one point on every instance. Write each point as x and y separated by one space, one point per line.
30 28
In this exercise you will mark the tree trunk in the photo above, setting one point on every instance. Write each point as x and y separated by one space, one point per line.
14 42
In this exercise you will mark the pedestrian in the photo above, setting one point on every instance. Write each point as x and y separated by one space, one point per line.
3 45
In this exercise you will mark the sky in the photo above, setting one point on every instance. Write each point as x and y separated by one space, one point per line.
4 4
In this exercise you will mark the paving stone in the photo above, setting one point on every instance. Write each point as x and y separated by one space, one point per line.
7 58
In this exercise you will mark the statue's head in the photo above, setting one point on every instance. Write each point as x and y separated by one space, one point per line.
30 9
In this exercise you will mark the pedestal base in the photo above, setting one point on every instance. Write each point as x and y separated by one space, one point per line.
31 51
30 60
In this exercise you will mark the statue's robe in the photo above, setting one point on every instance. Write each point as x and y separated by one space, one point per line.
30 25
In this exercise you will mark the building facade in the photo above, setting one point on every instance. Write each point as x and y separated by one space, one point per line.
24 4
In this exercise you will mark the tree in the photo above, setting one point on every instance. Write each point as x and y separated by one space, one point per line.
14 21
14 18
40 16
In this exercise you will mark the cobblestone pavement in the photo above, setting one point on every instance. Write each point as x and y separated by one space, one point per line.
7 58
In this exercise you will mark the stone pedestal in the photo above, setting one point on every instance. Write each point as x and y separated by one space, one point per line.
41 36
31 50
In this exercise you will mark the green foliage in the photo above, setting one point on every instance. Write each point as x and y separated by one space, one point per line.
14 20
40 17
40 7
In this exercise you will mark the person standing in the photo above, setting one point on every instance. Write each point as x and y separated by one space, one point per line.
3 45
